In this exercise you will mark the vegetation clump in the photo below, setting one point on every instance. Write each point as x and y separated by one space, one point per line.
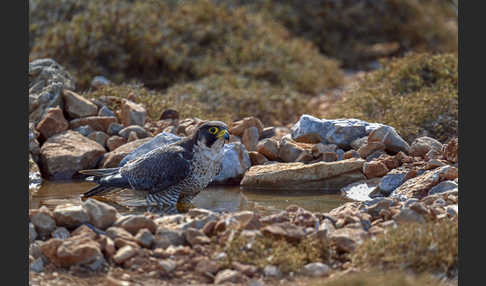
160 44
416 94
430 247
261 251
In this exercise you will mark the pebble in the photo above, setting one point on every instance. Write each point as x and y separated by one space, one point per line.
168 265
272 271
316 269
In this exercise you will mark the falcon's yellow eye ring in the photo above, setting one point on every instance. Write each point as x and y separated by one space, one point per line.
213 130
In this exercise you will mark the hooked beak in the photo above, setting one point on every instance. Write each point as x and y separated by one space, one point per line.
224 133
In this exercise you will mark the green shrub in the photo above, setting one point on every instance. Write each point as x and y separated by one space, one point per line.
430 247
350 29
416 94
161 44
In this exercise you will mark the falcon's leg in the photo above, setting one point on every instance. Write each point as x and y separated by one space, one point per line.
164 202
184 202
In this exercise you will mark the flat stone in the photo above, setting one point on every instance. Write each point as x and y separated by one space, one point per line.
70 216
207 266
114 232
195 237
100 214
77 106
85 130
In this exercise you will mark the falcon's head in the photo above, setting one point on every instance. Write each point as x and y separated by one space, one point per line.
212 132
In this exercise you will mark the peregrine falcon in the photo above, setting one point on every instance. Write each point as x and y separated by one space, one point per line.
172 174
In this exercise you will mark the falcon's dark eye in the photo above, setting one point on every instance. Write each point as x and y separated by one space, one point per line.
213 130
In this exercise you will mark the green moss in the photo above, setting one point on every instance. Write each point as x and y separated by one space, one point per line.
262 251
416 94
430 247
160 44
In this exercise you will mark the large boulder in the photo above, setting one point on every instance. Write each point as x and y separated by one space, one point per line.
47 80
337 131
320 175
64 154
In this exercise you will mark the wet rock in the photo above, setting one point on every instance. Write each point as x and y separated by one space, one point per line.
443 187
250 138
369 148
228 276
338 131
450 150
124 253
100 214
114 142
148 145
419 186
298 175
117 157
114 128
32 233
43 222
168 265
347 239
422 145
374 169
98 123
408 215
316 269
77 106
257 158
195 237
165 237
61 232
139 131
64 154
388 136
105 111
269 148
70 216
99 136
52 123
238 127
271 271
132 113
133 223
236 162
284 230
145 237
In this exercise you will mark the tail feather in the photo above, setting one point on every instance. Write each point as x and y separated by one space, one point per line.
100 172
98 190
107 180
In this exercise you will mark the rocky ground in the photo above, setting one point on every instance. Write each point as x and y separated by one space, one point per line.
414 183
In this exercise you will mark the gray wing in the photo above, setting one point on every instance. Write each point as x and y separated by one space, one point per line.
158 169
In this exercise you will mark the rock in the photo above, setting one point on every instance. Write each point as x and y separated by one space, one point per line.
284 230
360 190
98 123
47 80
37 265
452 210
52 123
228 276
321 175
165 237
32 233
311 138
316 269
148 145
64 154
61 232
114 233
238 127
269 148
388 136
450 150
132 136
257 158
236 162
320 148
422 145
195 237
289 151
408 215
70 216
145 237
347 239
99 81
433 155
114 142
443 187
168 265
434 163
49 249
114 128
139 130
77 106
250 138
390 182
375 209
132 113
110 281
207 266
133 223
267 132
419 186
116 157
43 222
350 154
329 157
99 136
369 148
169 114
124 253
374 169
337 131
105 111
375 155
271 271
35 179
85 130
358 143
100 214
